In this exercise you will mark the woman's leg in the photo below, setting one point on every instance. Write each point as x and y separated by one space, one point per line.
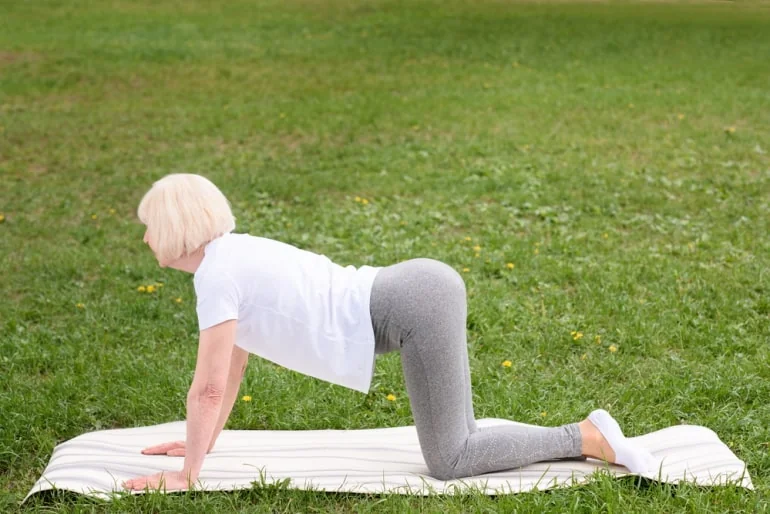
419 307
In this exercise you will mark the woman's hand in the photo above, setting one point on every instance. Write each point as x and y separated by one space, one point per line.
172 449
165 480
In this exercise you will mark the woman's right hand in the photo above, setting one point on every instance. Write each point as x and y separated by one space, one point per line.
172 449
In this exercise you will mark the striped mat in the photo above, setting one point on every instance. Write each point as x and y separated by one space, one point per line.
384 460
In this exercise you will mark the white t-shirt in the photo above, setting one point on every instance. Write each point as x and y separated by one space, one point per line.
294 307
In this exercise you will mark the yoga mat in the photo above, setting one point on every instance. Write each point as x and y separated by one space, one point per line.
382 460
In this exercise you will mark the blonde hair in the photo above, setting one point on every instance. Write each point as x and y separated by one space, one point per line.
184 212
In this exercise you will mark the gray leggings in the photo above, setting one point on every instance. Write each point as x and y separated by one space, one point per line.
419 307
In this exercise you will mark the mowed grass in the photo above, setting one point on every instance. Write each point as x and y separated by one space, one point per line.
617 155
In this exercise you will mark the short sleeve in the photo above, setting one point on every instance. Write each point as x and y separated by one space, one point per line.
218 300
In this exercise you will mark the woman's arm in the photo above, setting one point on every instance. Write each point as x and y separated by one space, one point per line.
240 358
206 395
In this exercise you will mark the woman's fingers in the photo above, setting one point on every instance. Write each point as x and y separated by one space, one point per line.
163 449
176 452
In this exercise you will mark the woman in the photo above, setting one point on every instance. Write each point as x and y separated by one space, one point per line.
302 311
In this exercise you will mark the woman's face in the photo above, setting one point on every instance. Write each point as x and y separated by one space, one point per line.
148 241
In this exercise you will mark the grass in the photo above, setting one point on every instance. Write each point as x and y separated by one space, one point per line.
615 153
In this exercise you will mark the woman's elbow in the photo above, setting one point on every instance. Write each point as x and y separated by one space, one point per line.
208 393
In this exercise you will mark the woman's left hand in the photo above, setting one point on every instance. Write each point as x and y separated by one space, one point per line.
165 480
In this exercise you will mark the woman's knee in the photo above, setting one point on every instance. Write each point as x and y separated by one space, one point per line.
443 277
442 471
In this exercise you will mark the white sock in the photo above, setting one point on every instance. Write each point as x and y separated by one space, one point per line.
636 459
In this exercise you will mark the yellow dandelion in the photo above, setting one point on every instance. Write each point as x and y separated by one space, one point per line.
80 306
364 201
93 216
605 235
466 270
613 348
150 289
477 248
112 211
510 265
477 255
537 251
680 116
507 364
159 284
584 357
543 414
246 398
391 397
730 130
468 238
141 289
357 199
2 218
598 339
178 300
576 335
283 115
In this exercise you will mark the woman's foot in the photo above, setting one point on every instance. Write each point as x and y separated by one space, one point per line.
603 439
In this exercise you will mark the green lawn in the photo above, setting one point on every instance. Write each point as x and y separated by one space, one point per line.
617 155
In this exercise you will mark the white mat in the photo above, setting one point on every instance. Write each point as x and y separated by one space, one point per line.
361 461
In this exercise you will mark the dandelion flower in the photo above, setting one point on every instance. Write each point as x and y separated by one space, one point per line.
246 398
613 348
80 306
543 414
2 218
150 289
112 211
605 235
537 251
584 357
680 116
468 238
477 255
357 199
466 270
730 130
477 248
510 265
391 397
598 339
93 216
576 335
178 300
506 364
141 289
